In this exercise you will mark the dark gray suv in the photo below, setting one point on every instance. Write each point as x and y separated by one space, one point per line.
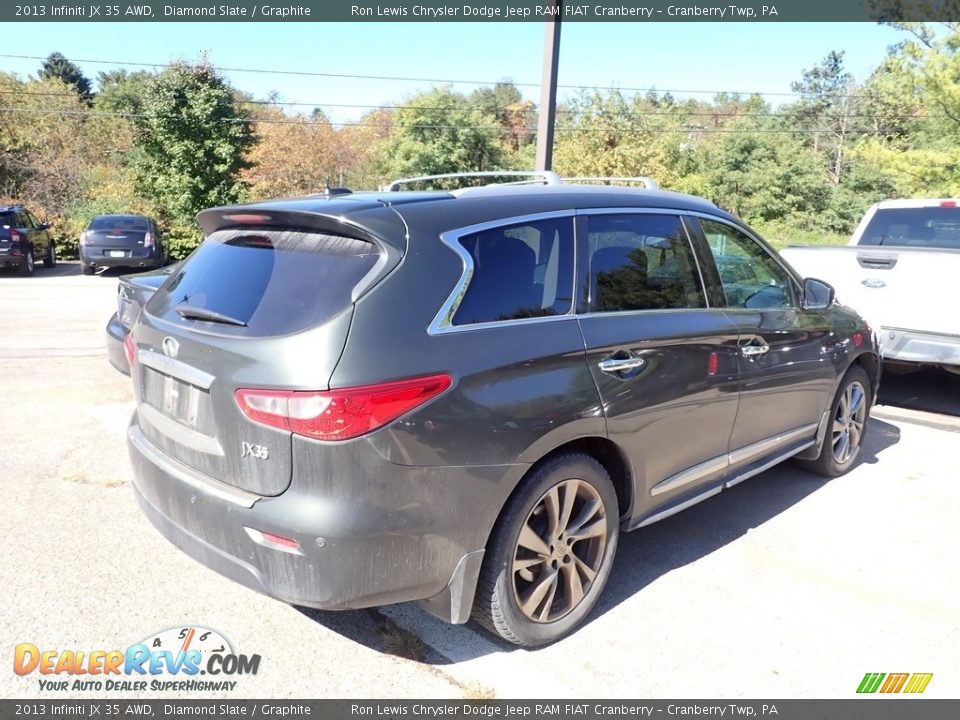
461 398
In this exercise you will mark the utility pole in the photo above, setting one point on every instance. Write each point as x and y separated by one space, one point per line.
548 88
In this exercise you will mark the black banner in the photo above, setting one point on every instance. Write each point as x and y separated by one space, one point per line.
478 11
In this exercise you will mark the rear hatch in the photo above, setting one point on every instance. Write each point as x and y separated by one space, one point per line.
118 236
6 225
265 307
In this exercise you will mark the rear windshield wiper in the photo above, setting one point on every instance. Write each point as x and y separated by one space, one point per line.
189 312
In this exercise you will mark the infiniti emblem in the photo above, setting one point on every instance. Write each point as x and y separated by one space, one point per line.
874 283
170 347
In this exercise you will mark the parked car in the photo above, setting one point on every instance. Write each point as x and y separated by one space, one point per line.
899 271
133 291
121 241
460 398
23 239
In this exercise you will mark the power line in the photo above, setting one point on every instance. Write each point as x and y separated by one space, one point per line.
679 111
421 126
445 81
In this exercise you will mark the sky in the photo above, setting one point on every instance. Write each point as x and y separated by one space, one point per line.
679 57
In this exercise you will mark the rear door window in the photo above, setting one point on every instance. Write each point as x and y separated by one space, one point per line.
641 262
266 282
524 270
935 227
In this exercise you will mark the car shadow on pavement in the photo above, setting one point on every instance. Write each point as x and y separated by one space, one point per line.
929 389
642 557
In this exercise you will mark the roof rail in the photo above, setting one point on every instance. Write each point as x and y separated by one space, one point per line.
647 182
545 177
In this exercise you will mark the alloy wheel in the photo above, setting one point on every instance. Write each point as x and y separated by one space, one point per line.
848 422
559 551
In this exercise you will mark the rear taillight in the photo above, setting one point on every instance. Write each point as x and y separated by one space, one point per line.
130 349
948 203
148 239
339 414
16 237
84 238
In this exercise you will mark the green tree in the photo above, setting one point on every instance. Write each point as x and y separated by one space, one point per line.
515 116
923 157
56 66
193 139
827 110
764 176
442 132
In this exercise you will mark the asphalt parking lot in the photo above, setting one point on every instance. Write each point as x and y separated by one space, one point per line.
784 586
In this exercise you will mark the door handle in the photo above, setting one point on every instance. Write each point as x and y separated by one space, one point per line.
755 349
621 364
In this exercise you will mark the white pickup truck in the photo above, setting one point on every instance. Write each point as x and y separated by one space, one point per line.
901 272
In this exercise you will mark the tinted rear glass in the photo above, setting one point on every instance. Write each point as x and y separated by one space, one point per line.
120 223
936 227
6 222
519 271
275 281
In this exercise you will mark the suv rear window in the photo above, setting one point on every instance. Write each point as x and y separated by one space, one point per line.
275 281
935 227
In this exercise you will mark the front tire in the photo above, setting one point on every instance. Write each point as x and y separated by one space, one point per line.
50 261
550 553
847 426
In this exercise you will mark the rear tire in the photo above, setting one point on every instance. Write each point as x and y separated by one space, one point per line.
50 260
86 269
550 553
27 266
847 426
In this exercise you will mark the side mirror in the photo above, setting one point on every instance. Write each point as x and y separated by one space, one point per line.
43 226
817 295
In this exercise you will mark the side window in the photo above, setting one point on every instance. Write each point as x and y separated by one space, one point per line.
33 222
641 262
519 271
751 278
23 220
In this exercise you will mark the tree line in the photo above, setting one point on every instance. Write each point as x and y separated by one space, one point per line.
171 142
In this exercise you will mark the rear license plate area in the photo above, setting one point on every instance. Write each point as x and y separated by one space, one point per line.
180 401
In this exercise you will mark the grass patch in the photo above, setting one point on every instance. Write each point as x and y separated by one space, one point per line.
780 236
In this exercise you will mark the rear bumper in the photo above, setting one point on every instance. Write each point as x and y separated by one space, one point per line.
16 261
356 549
115 336
918 347
131 259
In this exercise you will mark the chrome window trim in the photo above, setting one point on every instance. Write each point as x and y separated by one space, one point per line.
442 322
